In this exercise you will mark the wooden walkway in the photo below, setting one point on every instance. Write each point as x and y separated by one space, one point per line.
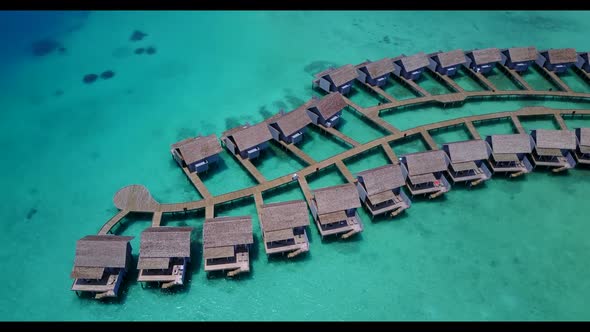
560 121
429 140
136 198
340 135
517 124
447 80
414 86
248 192
515 77
553 77
196 181
472 131
345 172
251 168
390 153
297 152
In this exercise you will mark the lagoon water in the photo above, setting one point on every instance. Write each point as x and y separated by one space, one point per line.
510 250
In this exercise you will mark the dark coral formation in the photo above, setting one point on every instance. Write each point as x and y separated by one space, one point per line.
139 50
150 50
107 74
90 78
45 47
31 213
137 35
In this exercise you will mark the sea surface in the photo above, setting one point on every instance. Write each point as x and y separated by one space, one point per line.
509 250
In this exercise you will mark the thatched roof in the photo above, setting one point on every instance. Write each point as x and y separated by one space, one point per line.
328 218
379 68
512 143
283 234
159 244
463 166
422 178
227 231
413 62
198 148
284 215
336 198
342 75
293 121
486 55
384 178
426 162
218 252
562 55
499 157
96 252
522 54
251 136
381 197
331 104
471 150
451 58
555 139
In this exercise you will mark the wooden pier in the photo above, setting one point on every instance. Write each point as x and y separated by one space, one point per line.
340 135
472 131
297 152
136 198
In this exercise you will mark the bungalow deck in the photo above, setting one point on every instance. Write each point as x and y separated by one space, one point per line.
299 246
349 226
437 187
102 288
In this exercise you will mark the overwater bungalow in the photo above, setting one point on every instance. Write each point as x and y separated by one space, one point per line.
336 79
163 255
553 149
247 141
519 58
291 126
197 153
509 153
283 227
447 63
425 172
226 244
582 153
334 210
101 263
375 73
380 189
483 61
410 67
328 110
467 161
558 60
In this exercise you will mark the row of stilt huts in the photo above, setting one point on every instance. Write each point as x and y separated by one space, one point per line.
102 261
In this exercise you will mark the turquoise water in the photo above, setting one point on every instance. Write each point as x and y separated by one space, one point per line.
410 117
70 146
